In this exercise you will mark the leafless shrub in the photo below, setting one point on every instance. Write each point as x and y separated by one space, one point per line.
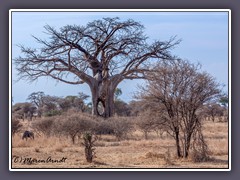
16 126
104 127
44 126
200 152
75 125
146 123
214 110
151 120
122 126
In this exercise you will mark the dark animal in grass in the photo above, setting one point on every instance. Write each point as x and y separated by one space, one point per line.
28 134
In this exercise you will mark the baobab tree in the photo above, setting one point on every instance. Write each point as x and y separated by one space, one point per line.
101 54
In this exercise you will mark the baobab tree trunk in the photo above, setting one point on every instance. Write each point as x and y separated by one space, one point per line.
103 95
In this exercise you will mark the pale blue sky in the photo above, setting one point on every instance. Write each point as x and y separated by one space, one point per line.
204 39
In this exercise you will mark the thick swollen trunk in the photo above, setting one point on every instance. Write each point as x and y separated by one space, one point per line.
103 99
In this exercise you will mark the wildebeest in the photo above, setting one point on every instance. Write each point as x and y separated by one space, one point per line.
28 134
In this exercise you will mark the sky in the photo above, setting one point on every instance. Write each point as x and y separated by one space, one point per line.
204 38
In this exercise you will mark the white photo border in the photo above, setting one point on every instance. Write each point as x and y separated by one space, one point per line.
120 10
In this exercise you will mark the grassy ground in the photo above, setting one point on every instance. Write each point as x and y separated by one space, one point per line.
136 152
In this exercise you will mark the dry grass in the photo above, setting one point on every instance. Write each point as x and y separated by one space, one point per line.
217 138
132 153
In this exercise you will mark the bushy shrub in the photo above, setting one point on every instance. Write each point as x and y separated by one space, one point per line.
45 126
151 121
200 152
146 122
74 125
16 126
104 127
122 126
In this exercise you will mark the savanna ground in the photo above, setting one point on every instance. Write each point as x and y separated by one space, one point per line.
135 152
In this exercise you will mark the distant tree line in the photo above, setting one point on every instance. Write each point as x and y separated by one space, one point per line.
45 105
